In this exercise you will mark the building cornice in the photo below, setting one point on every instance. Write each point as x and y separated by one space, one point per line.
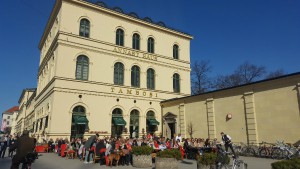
127 17
86 4
50 91
50 22
57 40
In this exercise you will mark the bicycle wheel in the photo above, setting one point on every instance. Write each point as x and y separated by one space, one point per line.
277 153
263 153
240 165
223 166
250 152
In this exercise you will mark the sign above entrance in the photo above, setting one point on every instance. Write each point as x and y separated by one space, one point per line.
135 53
133 92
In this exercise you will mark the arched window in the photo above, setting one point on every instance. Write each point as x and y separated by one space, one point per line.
84 29
150 45
117 112
119 73
176 83
150 115
118 123
79 110
136 41
150 79
135 76
120 37
82 67
134 123
175 52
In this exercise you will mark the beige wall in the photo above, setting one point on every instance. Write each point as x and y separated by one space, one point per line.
263 111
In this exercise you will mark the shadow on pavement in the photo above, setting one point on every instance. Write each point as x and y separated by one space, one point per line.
186 162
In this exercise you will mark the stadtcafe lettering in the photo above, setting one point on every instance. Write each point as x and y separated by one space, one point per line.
133 92
135 53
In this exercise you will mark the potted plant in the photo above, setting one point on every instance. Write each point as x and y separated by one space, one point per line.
141 156
167 159
209 160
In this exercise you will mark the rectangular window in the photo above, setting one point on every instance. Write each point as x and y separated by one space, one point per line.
7 123
41 124
8 117
46 122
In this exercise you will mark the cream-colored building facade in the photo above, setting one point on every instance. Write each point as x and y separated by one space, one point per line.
9 119
26 107
92 78
267 110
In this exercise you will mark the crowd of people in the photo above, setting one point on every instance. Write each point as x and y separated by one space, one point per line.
6 142
94 146
86 149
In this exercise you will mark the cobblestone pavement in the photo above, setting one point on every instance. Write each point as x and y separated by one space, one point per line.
52 161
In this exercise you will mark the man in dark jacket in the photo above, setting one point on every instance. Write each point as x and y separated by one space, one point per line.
88 145
24 145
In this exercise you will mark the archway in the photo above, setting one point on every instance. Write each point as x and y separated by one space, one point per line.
134 123
117 123
79 122
170 124
151 122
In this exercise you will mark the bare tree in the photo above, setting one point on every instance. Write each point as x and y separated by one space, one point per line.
200 80
245 73
276 73
226 81
191 129
249 72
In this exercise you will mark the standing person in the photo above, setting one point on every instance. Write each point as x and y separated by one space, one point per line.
24 145
226 139
179 138
5 145
88 145
12 141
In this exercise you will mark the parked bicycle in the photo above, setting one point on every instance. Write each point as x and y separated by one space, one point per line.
287 151
222 160
268 150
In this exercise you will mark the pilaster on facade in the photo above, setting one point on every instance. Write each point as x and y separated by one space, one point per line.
298 96
211 123
251 123
182 121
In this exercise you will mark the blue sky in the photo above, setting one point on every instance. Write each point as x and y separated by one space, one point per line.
227 33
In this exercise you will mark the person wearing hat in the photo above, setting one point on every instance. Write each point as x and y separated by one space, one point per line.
24 145
88 145
226 139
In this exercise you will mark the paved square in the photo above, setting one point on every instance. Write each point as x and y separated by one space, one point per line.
52 161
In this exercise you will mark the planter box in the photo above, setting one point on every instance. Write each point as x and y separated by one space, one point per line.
141 161
201 166
166 163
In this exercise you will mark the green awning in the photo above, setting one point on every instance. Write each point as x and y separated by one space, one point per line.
80 120
119 121
152 122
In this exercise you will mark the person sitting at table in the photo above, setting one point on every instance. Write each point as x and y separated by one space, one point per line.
176 145
207 142
162 147
168 144
144 143
134 143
